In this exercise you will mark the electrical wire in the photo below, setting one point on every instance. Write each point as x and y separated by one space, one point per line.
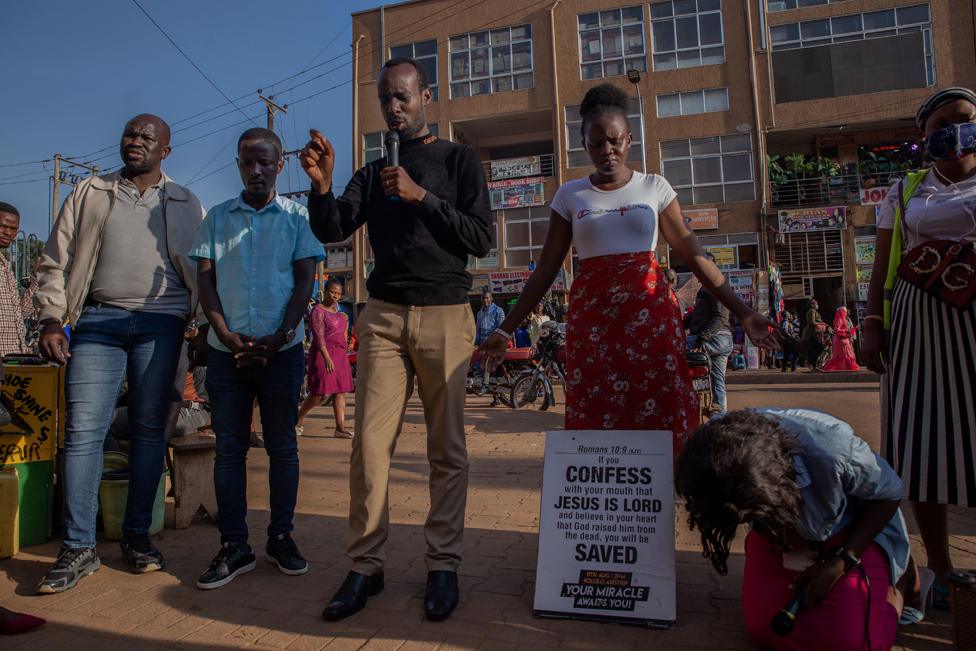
209 174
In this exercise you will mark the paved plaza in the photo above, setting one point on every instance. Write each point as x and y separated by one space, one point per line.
266 610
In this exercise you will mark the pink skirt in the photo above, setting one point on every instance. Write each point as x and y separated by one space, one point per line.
835 624
323 383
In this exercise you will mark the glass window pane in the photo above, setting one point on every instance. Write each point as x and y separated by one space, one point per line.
588 21
401 51
459 65
499 36
637 63
686 30
522 56
372 140
685 7
716 99
814 28
612 44
709 5
538 229
479 39
522 33
632 14
713 55
708 194
590 47
845 24
425 48
737 142
525 80
429 64
634 39
710 27
482 87
661 9
701 146
517 258
634 154
879 19
689 58
707 170
737 167
692 103
502 84
460 90
501 60
677 172
516 233
782 33
459 43
810 3
674 149
913 15
665 61
591 71
613 68
479 62
371 155
668 105
610 18
664 36
578 159
740 192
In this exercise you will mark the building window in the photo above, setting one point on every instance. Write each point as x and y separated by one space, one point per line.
773 6
710 100
373 144
857 27
687 33
425 54
733 252
492 61
612 42
717 169
576 155
525 233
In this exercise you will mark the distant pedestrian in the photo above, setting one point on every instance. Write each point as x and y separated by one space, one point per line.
709 324
536 319
842 358
14 306
813 329
490 316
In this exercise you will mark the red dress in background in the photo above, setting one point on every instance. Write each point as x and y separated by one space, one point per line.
328 328
843 358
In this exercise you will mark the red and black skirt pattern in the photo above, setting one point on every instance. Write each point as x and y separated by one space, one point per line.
625 360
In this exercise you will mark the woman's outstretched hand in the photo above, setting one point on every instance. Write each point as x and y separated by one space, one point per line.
494 348
757 327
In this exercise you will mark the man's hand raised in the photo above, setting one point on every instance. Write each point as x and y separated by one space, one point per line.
318 161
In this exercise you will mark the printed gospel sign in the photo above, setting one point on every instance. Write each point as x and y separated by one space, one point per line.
606 532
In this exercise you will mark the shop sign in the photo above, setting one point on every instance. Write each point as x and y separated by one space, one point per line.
480 283
701 220
517 193
606 528
864 250
742 284
513 168
862 291
513 282
490 261
873 196
725 256
864 274
802 220
31 395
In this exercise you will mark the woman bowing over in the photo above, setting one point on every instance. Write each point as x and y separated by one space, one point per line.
625 357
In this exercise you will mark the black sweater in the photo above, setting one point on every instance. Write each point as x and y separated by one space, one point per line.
421 251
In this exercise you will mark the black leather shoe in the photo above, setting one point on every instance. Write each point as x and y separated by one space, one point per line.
442 595
351 597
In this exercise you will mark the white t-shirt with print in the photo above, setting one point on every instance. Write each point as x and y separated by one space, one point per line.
624 220
935 212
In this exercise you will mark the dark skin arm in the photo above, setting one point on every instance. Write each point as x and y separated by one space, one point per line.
241 346
303 272
54 343
874 341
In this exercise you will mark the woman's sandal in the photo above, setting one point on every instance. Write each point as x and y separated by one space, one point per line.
340 434
911 615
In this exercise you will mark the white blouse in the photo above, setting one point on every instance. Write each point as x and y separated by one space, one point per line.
935 212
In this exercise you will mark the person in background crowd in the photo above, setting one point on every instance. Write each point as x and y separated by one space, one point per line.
256 350
522 337
929 356
625 359
115 268
425 218
810 337
536 319
824 518
14 306
490 316
791 345
329 373
709 323
842 358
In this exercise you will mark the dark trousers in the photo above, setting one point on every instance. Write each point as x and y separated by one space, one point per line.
232 393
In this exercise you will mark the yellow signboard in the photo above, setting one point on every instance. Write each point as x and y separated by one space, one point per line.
724 255
32 395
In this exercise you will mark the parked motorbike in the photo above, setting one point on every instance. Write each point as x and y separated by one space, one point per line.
498 384
701 382
536 386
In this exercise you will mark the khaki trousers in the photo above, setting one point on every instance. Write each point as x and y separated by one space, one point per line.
396 344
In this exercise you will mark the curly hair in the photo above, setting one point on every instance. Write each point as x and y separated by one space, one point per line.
602 99
737 469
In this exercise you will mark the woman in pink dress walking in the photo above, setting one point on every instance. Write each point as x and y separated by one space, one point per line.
843 358
329 373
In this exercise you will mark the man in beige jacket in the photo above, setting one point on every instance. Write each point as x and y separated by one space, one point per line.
115 268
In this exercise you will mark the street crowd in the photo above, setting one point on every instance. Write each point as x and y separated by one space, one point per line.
153 286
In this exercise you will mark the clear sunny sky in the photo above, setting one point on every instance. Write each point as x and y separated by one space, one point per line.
74 73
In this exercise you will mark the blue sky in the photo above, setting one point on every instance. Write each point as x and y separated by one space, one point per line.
75 72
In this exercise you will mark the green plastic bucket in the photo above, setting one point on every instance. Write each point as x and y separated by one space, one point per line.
113 490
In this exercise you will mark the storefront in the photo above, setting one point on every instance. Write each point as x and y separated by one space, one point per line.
810 254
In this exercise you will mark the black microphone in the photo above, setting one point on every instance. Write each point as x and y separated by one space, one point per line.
784 620
392 142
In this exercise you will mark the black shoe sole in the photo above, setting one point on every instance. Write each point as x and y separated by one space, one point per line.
244 569
285 570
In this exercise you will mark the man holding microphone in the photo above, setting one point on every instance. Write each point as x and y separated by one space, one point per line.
426 207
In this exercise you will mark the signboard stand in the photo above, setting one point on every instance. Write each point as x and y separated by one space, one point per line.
606 531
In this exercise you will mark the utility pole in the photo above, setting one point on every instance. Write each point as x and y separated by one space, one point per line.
67 178
272 108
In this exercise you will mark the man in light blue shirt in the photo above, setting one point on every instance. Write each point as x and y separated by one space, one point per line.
256 258
490 316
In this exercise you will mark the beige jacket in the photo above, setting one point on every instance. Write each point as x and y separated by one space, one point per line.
68 261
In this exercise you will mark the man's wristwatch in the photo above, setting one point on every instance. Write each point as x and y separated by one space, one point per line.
850 560
288 332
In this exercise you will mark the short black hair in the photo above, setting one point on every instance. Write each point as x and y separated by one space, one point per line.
336 282
401 61
602 99
9 209
260 133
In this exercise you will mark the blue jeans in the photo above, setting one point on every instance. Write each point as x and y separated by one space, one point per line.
718 349
232 393
110 344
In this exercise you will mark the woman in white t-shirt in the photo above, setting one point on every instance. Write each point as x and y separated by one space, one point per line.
625 358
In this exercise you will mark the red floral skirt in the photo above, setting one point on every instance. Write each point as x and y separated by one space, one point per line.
625 358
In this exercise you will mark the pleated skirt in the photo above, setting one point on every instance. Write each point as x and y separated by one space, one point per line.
928 398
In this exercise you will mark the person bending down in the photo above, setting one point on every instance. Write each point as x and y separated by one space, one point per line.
823 511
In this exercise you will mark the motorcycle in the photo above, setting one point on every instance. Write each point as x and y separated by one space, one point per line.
701 382
498 385
538 383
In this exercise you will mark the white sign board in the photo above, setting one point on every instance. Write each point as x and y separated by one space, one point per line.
606 531
512 168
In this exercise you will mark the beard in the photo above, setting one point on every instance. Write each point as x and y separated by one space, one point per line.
411 130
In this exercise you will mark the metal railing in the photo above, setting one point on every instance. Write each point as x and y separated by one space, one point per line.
546 166
827 190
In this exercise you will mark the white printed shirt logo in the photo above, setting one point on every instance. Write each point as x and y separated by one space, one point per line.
586 212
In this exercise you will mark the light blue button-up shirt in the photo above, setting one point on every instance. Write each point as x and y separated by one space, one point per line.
254 252
835 471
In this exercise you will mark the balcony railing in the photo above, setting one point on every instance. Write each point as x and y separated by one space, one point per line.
826 190
546 167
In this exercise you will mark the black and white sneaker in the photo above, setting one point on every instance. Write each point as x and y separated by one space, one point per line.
283 552
232 559
141 555
72 566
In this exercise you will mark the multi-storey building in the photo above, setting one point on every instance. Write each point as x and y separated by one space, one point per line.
825 90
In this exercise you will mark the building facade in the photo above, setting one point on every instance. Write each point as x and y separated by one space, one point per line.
824 90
